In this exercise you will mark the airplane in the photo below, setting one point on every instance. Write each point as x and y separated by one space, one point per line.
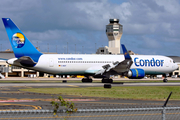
131 66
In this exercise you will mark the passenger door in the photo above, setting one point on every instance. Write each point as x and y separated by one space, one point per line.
51 62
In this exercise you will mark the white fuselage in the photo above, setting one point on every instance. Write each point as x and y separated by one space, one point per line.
79 64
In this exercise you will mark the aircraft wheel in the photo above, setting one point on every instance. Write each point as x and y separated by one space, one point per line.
104 80
64 81
110 80
107 85
84 80
165 80
90 80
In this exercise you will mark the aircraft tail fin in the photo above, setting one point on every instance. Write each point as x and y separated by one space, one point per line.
125 52
20 44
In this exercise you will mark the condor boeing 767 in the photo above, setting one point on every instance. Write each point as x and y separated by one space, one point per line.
134 66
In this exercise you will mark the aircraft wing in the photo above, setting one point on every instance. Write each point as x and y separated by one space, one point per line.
125 65
118 67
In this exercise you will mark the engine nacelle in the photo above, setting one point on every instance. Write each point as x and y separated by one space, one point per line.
136 73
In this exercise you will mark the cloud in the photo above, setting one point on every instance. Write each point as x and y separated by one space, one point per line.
153 23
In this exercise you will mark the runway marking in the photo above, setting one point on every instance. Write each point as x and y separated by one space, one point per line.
124 103
35 107
4 98
33 100
12 92
111 103
93 116
22 86
81 99
9 99
3 101
71 99
72 85
4 89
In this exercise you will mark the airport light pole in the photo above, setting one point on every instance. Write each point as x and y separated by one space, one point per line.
75 48
67 47
95 47
48 47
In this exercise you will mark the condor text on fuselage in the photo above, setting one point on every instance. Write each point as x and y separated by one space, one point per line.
148 63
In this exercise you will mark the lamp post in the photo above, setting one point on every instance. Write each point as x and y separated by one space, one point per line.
48 47
95 47
75 48
67 47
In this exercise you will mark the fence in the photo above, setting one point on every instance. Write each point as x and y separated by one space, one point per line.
145 113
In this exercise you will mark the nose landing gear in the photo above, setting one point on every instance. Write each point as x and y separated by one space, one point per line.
165 80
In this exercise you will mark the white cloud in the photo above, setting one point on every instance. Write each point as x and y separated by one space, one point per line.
84 21
171 6
47 35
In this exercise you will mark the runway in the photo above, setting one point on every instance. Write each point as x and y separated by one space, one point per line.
84 84
11 98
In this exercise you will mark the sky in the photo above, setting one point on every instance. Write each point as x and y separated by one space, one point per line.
78 26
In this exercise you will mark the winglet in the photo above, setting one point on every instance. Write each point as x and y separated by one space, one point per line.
125 52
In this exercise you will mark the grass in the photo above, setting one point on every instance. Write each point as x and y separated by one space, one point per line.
137 92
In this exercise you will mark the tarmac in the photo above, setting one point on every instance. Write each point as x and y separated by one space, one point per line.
11 96
94 79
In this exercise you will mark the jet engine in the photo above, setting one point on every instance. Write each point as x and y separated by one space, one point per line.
136 73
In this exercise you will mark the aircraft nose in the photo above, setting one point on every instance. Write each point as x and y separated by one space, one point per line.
177 67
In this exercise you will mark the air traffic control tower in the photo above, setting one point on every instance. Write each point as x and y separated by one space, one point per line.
114 31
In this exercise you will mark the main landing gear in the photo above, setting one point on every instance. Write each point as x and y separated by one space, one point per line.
87 80
107 80
165 79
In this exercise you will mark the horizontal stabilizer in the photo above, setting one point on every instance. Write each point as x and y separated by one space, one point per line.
24 61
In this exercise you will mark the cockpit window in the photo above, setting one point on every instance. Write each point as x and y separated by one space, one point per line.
173 62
